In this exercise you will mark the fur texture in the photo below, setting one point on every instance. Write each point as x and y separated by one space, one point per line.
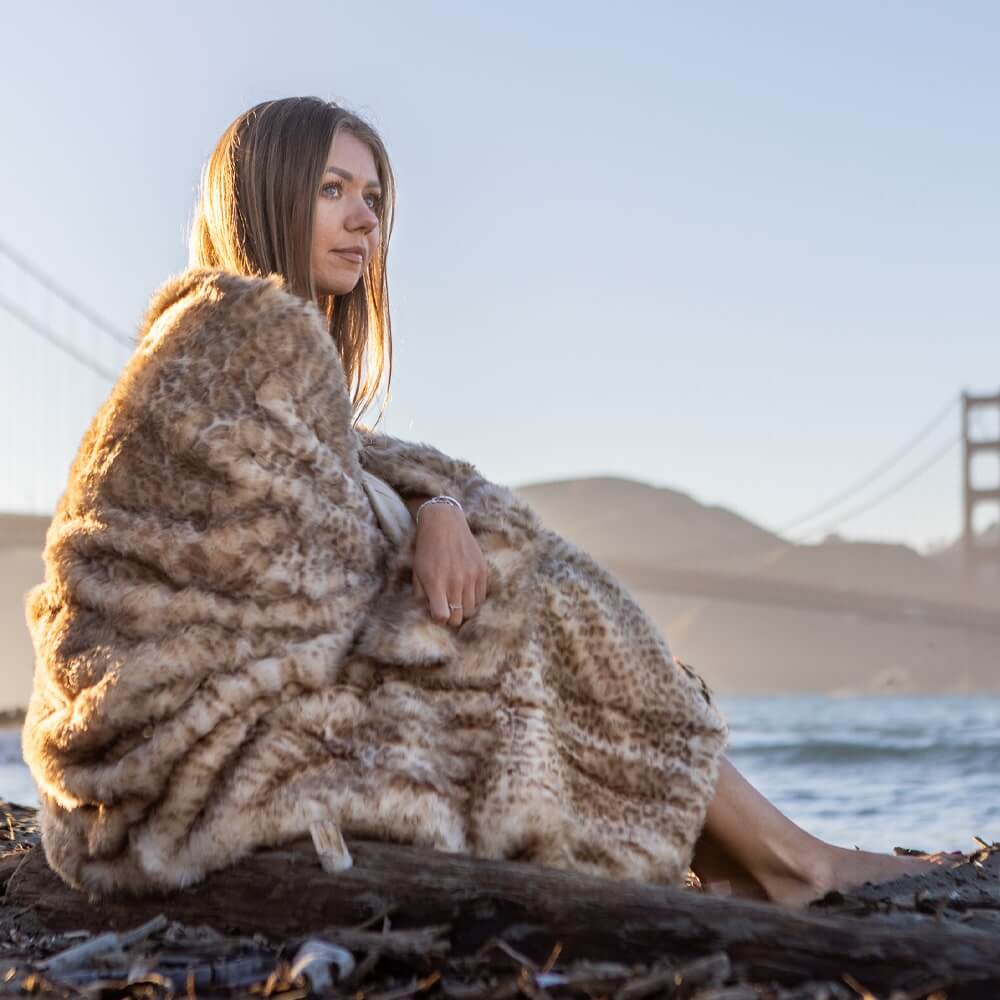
229 650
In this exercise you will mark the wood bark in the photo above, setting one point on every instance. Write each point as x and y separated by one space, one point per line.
284 893
8 865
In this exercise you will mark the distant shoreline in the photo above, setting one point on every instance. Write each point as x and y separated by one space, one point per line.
11 717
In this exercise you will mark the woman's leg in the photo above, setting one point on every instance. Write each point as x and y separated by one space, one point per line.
751 849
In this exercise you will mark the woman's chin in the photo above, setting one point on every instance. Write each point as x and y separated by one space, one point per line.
336 284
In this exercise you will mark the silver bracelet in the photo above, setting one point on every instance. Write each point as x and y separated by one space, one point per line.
440 499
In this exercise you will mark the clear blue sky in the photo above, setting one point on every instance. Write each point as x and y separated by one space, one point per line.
739 249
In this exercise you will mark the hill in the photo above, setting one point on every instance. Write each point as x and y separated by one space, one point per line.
758 614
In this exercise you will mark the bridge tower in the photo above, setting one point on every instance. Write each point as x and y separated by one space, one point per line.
975 553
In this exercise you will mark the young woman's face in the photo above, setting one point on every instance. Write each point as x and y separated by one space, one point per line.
346 229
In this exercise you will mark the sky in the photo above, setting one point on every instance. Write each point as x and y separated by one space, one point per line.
745 251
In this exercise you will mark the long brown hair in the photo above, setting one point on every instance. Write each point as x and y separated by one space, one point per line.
254 216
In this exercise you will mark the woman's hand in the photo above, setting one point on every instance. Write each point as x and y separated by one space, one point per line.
448 564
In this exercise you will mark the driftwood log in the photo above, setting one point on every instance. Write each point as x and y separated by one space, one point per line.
907 936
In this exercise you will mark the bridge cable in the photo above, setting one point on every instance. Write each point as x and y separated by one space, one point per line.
60 293
872 476
892 491
56 341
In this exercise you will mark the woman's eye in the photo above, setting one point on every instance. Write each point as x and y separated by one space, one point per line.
334 190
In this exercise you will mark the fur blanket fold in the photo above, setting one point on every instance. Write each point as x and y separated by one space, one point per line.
229 650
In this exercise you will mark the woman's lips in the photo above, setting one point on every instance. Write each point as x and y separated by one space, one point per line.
354 258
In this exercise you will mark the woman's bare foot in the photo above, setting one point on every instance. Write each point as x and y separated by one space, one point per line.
748 847
840 869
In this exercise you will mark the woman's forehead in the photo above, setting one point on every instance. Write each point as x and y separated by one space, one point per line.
351 158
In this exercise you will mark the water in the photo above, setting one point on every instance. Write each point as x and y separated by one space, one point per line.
869 772
15 780
875 773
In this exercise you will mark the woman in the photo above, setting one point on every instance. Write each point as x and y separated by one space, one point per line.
261 619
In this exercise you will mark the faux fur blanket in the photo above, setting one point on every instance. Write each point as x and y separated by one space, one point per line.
229 650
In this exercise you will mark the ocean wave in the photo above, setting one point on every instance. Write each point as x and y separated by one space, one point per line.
10 747
832 752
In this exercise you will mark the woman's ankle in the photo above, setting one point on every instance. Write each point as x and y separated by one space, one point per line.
797 872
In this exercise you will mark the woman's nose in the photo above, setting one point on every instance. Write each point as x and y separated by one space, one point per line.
363 218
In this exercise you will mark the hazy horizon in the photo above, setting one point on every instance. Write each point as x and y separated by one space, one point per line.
933 547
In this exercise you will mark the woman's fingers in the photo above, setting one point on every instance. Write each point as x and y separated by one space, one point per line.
457 613
469 602
439 604
441 597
